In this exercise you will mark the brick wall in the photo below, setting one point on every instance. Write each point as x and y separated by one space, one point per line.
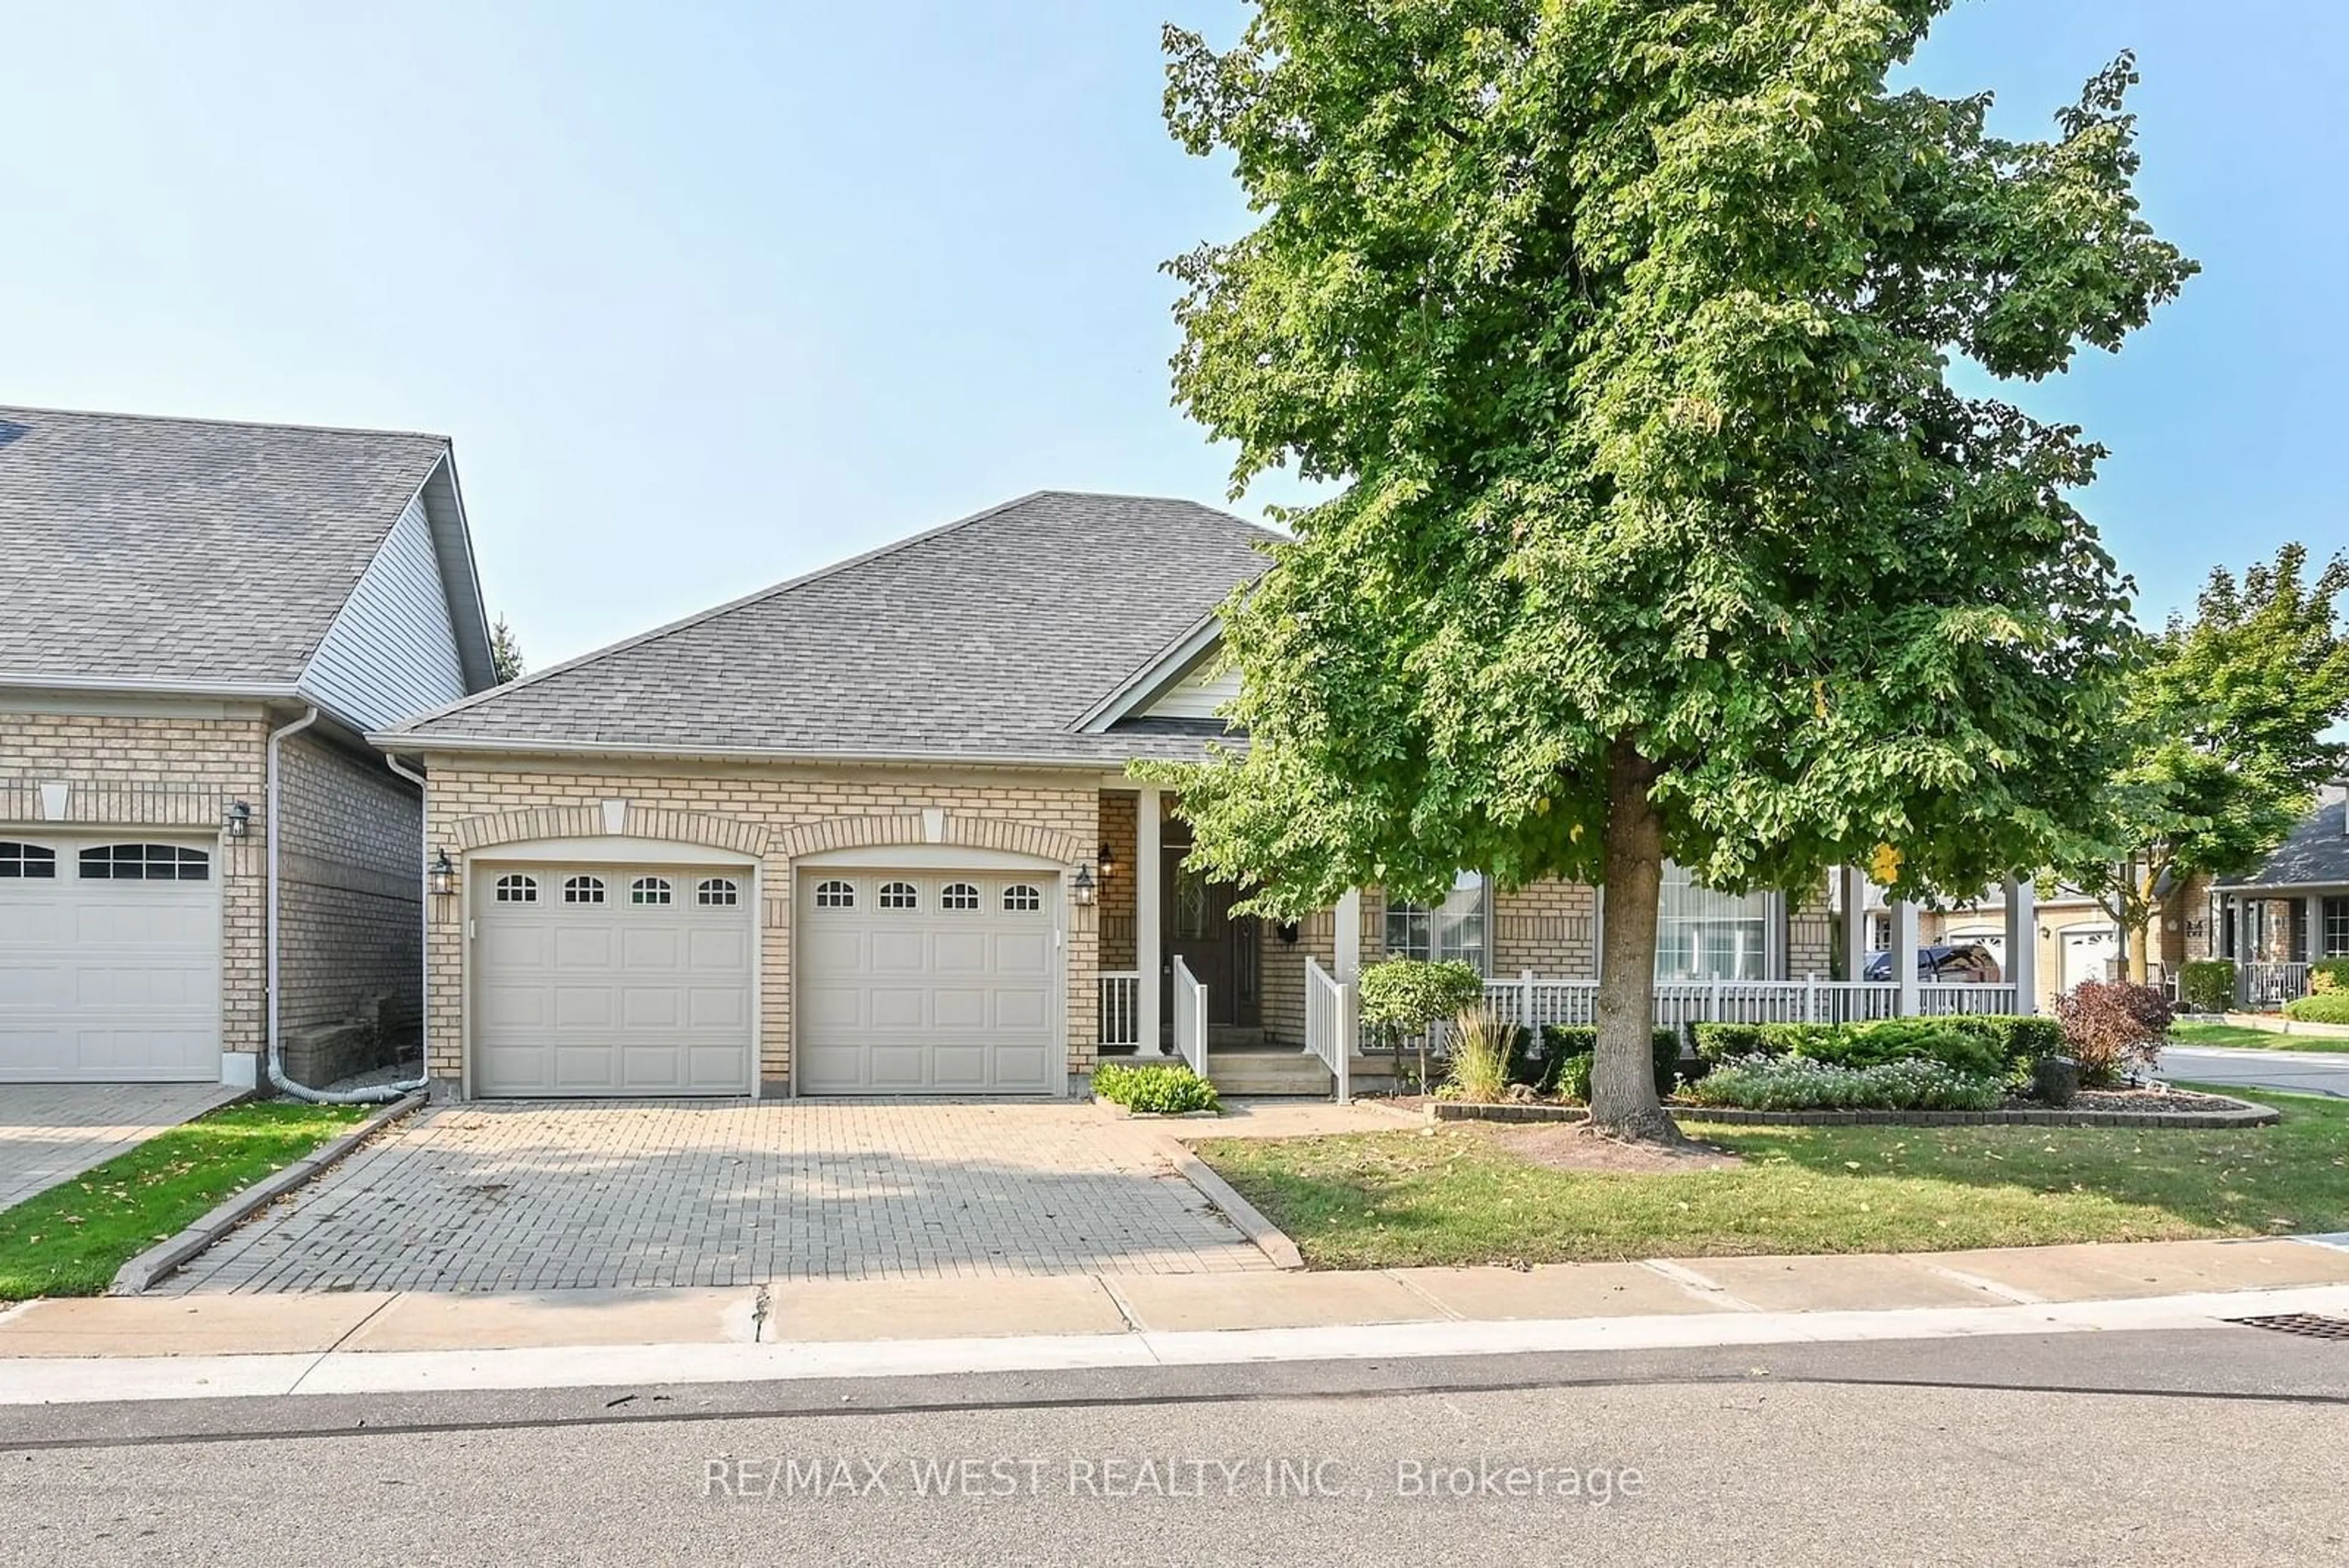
351 955
155 772
764 812
1548 928
1810 934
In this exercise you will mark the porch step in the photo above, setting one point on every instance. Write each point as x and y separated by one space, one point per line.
1285 1070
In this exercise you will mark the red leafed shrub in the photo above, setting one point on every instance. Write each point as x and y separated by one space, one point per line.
2113 1029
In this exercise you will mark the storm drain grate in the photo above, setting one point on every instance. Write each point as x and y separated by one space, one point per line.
2307 1324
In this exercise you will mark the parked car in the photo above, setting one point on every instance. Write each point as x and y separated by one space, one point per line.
1966 963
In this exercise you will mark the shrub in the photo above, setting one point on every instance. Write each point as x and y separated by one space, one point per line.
1168 1088
1724 1041
2022 1037
1402 998
1480 1055
1806 1084
1568 1050
2327 976
2112 1028
2326 1007
2207 985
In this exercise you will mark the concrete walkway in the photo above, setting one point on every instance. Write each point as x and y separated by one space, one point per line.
2298 1072
52 1132
1085 1306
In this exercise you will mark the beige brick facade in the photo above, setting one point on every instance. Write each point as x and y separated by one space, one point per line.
775 814
160 772
350 911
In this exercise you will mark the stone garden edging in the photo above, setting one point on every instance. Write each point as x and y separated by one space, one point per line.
2245 1113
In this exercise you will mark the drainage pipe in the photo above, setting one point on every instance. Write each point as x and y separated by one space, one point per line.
382 1093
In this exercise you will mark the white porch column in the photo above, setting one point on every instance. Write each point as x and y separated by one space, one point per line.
2313 918
2022 942
1148 954
1904 955
1349 916
1854 948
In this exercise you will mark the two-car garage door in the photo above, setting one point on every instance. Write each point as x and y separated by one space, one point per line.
603 979
109 960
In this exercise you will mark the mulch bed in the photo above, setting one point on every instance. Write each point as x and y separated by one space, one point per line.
2158 1107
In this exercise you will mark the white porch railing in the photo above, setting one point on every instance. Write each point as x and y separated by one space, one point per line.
1533 1001
1329 1027
1121 1009
2263 984
1190 1017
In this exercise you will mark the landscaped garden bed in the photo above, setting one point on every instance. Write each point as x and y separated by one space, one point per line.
1475 1192
2148 1108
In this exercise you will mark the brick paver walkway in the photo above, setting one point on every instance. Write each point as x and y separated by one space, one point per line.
606 1195
50 1132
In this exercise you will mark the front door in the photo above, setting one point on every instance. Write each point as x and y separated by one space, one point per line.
1219 948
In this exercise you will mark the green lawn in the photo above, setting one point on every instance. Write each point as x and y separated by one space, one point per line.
69 1240
2249 1039
1388 1199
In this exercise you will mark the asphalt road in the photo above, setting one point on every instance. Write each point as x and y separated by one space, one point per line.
2299 1071
2209 1447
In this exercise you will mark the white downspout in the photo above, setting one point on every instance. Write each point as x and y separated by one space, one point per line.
277 1078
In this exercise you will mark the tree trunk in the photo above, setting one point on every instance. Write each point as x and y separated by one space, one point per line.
1624 1100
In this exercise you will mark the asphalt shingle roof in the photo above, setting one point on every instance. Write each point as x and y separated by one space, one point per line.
2317 851
989 637
144 549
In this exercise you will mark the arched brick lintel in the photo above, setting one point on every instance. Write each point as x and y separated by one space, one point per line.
933 826
595 822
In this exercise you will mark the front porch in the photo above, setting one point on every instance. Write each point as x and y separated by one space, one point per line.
2275 934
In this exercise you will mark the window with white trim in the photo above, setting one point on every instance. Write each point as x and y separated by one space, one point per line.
516 888
648 890
958 896
1452 931
835 895
1705 935
719 893
1022 899
144 863
27 860
582 889
899 895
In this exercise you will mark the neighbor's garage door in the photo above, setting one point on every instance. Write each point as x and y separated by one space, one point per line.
109 962
603 979
927 982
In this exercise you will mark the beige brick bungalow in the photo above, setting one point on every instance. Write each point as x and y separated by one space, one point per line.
870 832
203 620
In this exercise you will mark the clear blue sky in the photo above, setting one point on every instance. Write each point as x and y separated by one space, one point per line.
708 295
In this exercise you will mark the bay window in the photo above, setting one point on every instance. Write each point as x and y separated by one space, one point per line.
1705 935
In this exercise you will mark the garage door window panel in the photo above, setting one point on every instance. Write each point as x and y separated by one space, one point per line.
583 891
27 862
517 890
835 895
654 890
719 893
143 863
900 895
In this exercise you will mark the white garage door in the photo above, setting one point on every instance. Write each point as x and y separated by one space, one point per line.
109 962
927 983
609 980
2086 952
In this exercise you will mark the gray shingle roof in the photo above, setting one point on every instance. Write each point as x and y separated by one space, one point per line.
989 637
2317 852
187 551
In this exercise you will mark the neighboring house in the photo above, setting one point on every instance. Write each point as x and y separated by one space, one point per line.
2073 938
870 832
198 622
2291 910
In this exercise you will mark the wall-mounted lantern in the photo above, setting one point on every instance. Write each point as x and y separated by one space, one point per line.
1081 887
1286 932
442 874
1107 857
239 820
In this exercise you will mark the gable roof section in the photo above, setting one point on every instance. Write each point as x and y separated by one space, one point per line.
202 555
988 639
2315 855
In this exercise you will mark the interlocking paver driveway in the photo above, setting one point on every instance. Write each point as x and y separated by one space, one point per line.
50 1132
609 1194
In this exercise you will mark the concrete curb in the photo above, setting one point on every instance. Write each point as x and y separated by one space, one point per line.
140 1273
1269 1239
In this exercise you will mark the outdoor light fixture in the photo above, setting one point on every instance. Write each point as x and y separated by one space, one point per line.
1080 888
1107 857
441 876
1286 932
239 821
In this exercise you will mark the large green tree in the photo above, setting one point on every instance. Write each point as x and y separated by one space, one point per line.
1626 327
2229 720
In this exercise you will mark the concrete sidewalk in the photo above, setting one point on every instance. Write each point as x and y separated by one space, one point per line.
882 1311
